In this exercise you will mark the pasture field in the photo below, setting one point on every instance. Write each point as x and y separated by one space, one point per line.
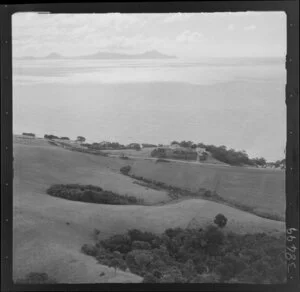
48 232
146 154
261 189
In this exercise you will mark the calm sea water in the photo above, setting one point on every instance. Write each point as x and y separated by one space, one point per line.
238 103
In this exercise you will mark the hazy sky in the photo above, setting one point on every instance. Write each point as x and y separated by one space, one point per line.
182 34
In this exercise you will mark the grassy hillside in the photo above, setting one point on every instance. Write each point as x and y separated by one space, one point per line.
261 189
145 152
48 232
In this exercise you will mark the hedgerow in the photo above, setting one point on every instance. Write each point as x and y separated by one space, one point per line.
90 194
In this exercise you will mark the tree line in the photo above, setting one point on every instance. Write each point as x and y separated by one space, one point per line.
229 156
221 153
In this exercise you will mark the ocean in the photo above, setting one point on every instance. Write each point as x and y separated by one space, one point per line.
239 103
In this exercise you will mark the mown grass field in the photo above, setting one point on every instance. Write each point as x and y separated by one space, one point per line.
48 232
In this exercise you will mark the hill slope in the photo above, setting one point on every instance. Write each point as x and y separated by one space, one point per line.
263 190
48 232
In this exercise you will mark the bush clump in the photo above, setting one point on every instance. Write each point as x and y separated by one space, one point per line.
50 137
90 194
124 157
220 220
195 256
89 249
141 245
125 169
29 135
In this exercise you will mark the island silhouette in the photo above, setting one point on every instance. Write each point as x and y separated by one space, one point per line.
153 54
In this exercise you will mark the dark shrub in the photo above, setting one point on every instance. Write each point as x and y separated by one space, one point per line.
125 169
208 194
150 278
220 220
141 245
121 243
231 266
137 235
173 232
117 263
28 134
203 156
214 238
141 258
124 157
51 137
89 249
80 139
214 235
90 194
147 145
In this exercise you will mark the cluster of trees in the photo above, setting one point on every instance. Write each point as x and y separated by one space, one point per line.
195 255
221 153
28 134
51 137
112 145
80 139
125 169
91 194
135 146
147 145
229 156
186 144
278 163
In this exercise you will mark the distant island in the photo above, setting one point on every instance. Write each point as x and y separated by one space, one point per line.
105 55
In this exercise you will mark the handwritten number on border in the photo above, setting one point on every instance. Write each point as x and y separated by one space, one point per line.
290 253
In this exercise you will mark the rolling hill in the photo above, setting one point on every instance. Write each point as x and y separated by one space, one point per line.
48 232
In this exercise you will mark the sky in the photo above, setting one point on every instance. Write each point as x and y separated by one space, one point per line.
239 34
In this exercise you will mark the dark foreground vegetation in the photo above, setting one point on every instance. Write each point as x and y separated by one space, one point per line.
36 278
91 194
194 255
202 193
29 134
